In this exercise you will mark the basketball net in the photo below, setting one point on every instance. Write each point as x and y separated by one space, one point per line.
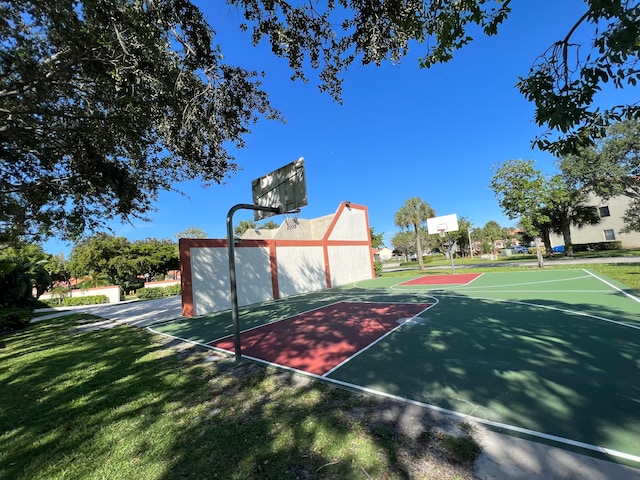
291 219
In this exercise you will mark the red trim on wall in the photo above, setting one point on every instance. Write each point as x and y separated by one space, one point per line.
327 266
326 243
186 285
186 244
273 263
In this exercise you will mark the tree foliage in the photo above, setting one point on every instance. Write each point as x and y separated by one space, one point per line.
461 237
562 82
543 204
565 79
414 213
191 232
611 168
22 270
115 259
520 190
404 242
377 239
243 226
105 103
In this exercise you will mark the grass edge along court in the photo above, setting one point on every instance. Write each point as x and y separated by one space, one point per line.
549 354
124 403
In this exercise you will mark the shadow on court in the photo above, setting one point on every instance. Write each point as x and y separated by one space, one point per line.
559 367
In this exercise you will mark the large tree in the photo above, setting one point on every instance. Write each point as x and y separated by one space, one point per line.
23 271
191 232
121 262
562 83
544 204
567 208
377 239
414 213
104 103
103 255
522 193
404 243
611 168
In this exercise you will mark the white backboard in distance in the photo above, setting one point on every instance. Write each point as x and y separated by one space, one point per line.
443 224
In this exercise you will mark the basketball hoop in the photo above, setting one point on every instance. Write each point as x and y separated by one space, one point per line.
441 232
291 219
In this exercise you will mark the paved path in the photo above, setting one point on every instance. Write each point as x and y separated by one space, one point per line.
137 313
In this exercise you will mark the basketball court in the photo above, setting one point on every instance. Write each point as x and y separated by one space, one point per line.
548 354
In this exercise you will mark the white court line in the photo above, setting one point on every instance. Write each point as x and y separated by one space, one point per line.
487 287
472 292
557 280
632 297
193 342
379 338
548 307
505 426
465 416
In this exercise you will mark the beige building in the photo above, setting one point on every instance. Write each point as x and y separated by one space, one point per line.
608 230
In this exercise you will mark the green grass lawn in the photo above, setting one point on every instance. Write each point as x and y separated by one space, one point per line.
118 403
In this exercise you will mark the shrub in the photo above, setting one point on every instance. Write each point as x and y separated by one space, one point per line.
159 292
88 300
597 246
461 449
14 319
377 267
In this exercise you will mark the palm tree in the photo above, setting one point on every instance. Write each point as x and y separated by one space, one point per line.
414 213
93 280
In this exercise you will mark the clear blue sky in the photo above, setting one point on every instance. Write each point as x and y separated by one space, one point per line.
400 132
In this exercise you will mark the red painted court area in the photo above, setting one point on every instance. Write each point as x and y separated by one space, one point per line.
457 279
318 340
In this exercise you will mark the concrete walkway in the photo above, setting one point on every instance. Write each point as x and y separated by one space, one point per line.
136 313
505 457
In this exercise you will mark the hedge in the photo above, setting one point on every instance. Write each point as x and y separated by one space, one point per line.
76 301
597 246
159 292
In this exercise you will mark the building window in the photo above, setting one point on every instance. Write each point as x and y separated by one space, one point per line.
604 211
609 235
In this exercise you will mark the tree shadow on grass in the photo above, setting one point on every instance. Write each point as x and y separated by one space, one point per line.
117 404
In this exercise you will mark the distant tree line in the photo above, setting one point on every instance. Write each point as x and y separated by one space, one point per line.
102 259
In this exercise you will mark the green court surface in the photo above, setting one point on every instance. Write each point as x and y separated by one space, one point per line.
550 354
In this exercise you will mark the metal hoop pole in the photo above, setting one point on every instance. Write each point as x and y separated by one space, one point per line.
235 316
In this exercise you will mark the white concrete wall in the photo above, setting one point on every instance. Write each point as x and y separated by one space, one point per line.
349 264
300 269
210 278
165 283
339 241
112 292
351 225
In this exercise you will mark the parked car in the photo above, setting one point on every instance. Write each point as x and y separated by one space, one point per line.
519 249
